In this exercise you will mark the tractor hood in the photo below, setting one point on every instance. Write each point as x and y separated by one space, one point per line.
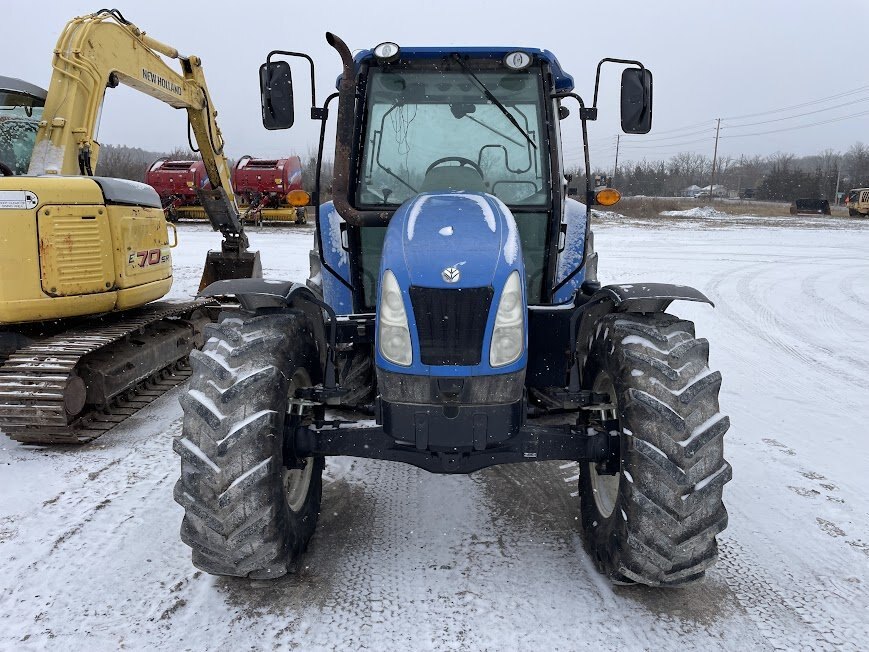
473 233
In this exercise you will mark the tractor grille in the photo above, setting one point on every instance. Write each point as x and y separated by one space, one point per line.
451 324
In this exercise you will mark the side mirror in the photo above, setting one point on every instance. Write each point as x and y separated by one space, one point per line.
276 92
636 100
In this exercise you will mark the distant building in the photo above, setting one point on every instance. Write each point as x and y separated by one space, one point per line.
712 191
690 191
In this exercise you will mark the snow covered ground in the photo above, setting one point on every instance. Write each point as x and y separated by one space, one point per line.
402 559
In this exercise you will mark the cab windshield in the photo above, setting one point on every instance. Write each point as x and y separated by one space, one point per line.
429 130
19 119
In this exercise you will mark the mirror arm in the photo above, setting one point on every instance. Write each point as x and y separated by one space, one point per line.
585 114
589 192
315 197
325 111
301 55
627 62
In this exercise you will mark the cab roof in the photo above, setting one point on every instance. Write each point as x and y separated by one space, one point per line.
563 81
14 85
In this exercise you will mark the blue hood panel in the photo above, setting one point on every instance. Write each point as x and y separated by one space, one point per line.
471 231
468 231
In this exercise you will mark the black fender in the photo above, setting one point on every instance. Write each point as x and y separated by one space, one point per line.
626 297
255 294
648 297
559 336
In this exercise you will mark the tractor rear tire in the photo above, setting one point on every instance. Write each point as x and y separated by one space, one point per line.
246 515
656 520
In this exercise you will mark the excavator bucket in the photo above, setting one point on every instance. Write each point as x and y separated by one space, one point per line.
221 265
233 260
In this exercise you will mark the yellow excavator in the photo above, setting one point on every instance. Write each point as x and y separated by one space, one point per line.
84 342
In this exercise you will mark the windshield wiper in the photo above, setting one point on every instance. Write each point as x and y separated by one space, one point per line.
493 130
494 100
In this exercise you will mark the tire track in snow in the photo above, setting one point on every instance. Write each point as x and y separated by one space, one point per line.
837 315
408 560
85 534
790 614
750 286
846 285
784 617
786 614
394 564
413 557
87 491
730 306
769 326
533 502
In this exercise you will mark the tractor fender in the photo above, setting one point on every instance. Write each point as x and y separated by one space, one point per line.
255 294
649 297
635 297
560 335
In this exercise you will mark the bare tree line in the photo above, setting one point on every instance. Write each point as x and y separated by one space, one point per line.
122 162
779 176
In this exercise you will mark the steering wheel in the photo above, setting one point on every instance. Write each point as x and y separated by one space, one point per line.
6 170
461 160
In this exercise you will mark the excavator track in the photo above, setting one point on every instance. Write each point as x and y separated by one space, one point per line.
45 387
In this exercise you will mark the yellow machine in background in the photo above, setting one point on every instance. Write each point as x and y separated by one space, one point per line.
82 258
87 246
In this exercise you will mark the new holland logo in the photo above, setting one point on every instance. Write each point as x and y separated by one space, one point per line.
163 83
451 275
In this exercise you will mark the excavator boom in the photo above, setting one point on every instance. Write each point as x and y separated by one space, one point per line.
103 50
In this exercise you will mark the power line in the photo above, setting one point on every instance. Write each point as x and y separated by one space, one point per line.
608 143
708 130
638 145
708 139
798 127
691 126
799 115
800 106
612 139
602 139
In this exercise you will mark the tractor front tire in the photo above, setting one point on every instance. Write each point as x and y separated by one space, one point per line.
655 521
246 515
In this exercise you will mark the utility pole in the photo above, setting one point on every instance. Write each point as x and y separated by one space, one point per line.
616 166
838 177
714 157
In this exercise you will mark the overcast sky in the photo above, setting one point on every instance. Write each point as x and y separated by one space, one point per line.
710 59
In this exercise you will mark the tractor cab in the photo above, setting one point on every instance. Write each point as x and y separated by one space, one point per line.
21 107
475 121
480 121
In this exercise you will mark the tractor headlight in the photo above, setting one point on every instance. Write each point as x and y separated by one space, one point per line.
393 333
508 337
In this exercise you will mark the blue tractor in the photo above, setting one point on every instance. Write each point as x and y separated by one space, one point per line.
453 301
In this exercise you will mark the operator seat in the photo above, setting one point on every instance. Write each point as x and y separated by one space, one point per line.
453 177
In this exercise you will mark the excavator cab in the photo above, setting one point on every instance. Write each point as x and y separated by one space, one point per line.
21 105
